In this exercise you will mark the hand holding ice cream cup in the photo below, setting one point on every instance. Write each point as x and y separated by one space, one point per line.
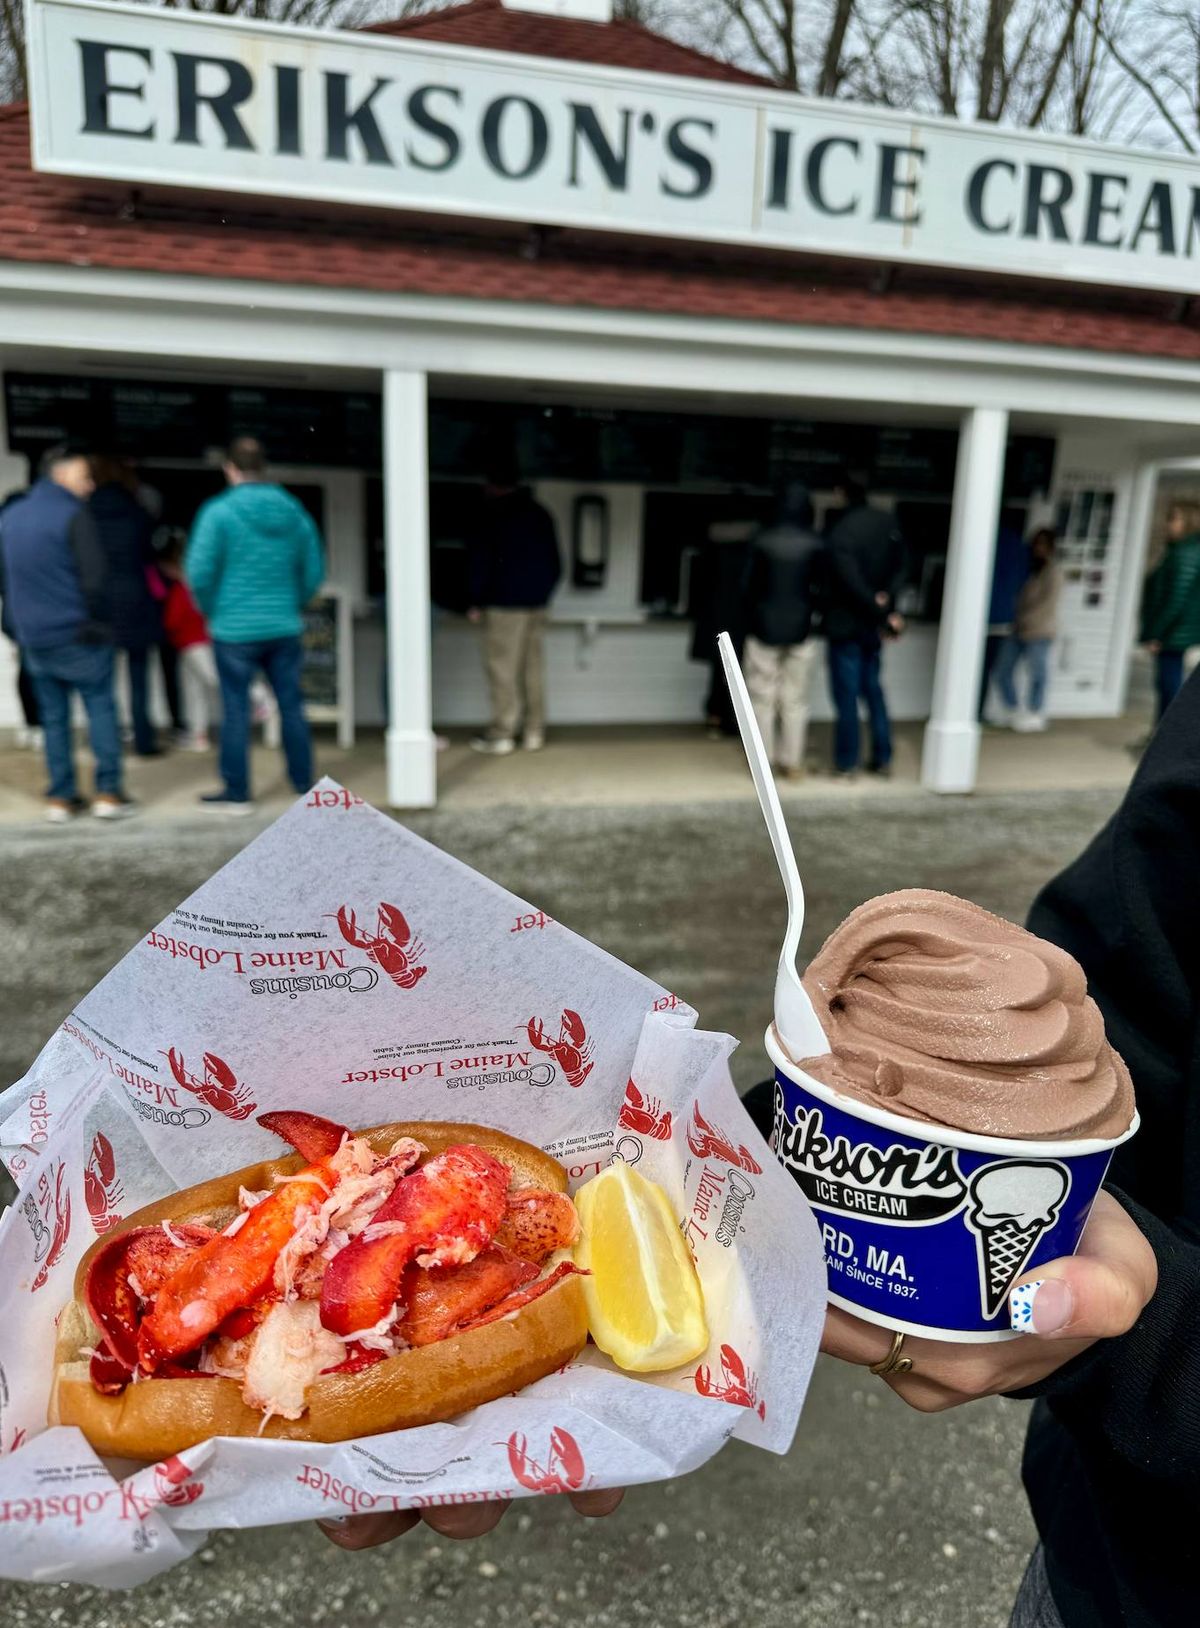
955 1137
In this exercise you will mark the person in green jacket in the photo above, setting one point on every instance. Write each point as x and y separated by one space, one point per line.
253 561
1171 602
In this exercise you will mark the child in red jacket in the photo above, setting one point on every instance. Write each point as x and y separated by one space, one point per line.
185 627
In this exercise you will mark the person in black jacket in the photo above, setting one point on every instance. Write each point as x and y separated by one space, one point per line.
515 567
126 532
1112 1460
779 590
865 569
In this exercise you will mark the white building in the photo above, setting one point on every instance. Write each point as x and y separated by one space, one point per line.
665 282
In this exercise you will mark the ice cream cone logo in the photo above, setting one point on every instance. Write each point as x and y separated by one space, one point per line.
393 946
217 1086
173 1483
644 1115
708 1141
102 1190
1013 1202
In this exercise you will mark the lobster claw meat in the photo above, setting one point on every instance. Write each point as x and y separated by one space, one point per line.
228 1272
128 1270
312 1137
447 1211
441 1299
537 1222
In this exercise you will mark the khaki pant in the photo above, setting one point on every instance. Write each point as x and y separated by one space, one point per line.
777 677
512 652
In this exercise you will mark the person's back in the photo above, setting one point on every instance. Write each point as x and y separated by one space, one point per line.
125 531
253 562
782 580
515 562
47 597
866 560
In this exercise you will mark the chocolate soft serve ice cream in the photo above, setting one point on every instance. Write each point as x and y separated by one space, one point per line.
938 1010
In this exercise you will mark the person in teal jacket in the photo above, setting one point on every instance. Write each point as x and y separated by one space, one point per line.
1171 602
254 560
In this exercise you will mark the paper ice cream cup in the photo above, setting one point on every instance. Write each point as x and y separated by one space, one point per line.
927 1228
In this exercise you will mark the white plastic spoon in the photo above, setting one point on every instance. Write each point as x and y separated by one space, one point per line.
797 1023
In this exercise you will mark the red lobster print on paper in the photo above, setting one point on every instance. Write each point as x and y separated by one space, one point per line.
644 1115
102 1192
735 1385
572 1051
217 1088
173 1483
392 946
56 1197
708 1142
564 1471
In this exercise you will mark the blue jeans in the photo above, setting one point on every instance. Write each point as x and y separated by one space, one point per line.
88 668
144 737
281 661
1036 654
854 673
1168 677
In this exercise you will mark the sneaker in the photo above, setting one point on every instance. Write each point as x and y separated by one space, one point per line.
494 745
223 803
533 740
196 743
881 771
58 811
846 775
30 737
109 807
1029 723
180 737
794 774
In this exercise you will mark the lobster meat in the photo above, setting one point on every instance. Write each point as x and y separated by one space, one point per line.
355 1256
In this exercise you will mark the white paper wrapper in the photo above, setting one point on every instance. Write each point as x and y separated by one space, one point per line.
457 1002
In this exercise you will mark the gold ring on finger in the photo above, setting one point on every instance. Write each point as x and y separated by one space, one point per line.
895 1362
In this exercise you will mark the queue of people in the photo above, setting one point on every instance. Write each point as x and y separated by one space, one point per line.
81 581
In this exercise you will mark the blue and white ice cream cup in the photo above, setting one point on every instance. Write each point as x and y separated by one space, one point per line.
927 1228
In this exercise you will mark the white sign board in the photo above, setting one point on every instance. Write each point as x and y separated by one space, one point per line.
126 93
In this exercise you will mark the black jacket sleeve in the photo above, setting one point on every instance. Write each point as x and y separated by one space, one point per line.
1129 910
92 565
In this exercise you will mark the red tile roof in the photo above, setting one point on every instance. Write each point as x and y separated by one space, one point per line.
53 220
490 26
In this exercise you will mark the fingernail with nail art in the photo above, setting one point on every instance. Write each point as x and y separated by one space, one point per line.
1044 1306
1020 1306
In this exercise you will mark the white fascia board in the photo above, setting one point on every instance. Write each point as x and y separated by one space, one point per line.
150 314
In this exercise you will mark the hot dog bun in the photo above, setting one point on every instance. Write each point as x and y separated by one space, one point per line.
157 1417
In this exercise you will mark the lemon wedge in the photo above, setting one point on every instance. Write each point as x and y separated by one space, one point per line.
644 1301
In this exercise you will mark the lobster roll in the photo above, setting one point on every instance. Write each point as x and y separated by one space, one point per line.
370 1281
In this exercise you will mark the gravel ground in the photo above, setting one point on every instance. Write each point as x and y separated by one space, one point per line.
877 1515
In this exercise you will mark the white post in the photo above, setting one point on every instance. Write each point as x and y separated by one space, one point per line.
951 749
411 755
12 478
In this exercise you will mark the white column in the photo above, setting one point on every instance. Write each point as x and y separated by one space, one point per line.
411 754
12 478
951 750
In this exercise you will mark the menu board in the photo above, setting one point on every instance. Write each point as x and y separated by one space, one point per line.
319 675
152 418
